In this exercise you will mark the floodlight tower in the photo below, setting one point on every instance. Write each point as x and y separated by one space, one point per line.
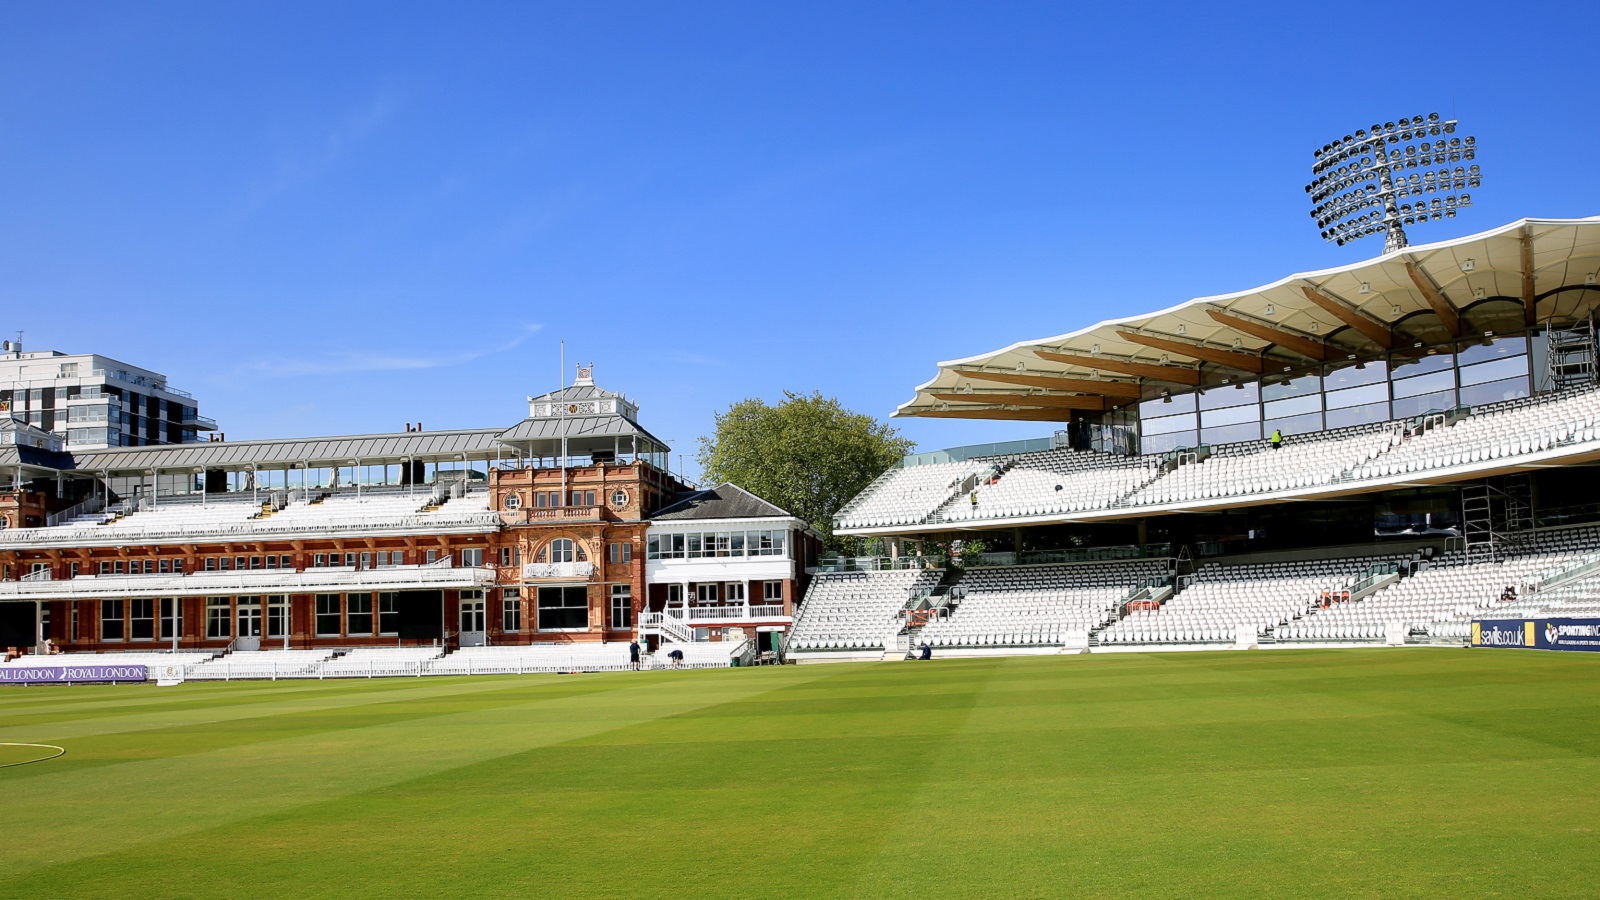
1360 186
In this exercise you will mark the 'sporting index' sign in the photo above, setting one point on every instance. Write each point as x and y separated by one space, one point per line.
72 674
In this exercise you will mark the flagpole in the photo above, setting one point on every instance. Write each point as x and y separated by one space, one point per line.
562 383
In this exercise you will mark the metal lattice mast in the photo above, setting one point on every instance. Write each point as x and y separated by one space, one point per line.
1361 184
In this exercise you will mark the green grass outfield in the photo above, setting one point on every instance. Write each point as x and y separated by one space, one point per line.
1427 773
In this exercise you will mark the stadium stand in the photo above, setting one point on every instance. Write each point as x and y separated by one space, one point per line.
905 496
1064 482
1443 597
243 665
376 662
530 658
1222 598
1053 481
856 611
152 659
1035 605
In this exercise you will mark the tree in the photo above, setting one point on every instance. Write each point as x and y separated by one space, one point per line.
808 455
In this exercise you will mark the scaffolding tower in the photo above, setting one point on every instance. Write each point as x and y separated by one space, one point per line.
1496 514
1572 355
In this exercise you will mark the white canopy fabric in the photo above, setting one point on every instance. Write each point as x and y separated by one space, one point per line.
1505 280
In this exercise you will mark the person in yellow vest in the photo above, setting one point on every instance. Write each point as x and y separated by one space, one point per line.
1277 438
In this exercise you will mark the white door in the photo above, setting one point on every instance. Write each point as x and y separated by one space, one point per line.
249 633
473 633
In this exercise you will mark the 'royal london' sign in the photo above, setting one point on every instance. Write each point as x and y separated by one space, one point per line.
72 674
1538 634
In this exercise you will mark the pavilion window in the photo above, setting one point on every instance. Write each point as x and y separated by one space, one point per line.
511 609
563 608
328 615
171 618
111 624
621 606
142 619
277 616
358 620
389 613
217 618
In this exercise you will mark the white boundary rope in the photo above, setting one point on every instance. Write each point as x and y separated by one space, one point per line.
59 751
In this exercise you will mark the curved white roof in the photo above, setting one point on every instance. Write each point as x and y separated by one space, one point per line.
1530 271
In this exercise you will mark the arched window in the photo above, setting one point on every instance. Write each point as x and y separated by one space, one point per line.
561 550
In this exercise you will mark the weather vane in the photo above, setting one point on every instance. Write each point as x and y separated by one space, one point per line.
1377 181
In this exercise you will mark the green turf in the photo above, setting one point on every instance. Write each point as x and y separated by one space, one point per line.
1420 773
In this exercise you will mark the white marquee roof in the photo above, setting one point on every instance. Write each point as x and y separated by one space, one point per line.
1504 280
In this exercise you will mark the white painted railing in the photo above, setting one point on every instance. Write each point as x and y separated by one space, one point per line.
255 581
99 534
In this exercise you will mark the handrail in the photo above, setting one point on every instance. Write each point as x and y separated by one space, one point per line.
258 526
84 507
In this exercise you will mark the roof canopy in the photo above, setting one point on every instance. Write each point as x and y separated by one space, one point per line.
1506 280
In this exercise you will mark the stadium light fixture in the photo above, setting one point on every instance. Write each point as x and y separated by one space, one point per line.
1376 181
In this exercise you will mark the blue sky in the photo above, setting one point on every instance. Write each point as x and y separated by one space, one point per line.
334 218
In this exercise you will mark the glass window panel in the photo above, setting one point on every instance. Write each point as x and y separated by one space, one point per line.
1358 415
1501 348
1496 370
1358 396
1293 387
1177 403
1405 367
1368 372
1228 434
1161 443
1169 424
1494 391
1294 424
1407 407
1425 384
1233 415
563 608
1293 406
1230 395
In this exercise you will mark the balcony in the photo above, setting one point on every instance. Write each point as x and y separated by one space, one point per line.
553 514
566 571
731 612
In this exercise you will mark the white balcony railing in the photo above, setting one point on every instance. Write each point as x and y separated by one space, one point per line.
557 570
728 613
261 581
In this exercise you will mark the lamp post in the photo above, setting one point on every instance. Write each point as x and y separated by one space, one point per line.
1376 181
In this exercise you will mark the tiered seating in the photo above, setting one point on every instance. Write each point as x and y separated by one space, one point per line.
150 658
345 508
528 658
374 662
245 664
1500 431
906 495
1035 605
1222 598
172 516
1443 598
1055 481
699 655
1253 467
1580 598
855 610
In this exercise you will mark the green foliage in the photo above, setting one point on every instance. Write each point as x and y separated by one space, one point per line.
808 455
960 554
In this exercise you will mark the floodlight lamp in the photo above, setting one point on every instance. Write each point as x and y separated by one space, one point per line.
1479 293
1588 278
1366 288
1468 264
1182 330
1270 310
